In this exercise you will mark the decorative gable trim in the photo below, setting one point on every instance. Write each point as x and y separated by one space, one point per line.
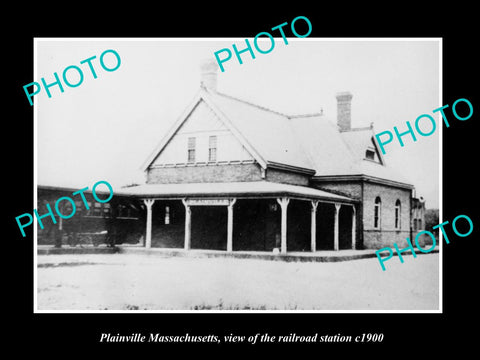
255 154
173 130
377 147
202 95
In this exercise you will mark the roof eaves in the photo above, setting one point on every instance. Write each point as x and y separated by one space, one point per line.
166 139
375 142
70 189
356 177
261 189
235 131
280 166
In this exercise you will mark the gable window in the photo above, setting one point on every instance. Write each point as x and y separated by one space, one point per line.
397 214
370 154
212 148
377 211
191 149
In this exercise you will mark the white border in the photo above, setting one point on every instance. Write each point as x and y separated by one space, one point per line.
35 179
35 119
440 176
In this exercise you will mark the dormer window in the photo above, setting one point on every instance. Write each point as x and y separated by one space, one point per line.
370 154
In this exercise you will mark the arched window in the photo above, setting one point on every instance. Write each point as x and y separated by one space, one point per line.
397 214
377 213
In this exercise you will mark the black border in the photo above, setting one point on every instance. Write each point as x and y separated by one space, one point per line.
403 332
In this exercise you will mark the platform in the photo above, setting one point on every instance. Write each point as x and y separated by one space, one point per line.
317 256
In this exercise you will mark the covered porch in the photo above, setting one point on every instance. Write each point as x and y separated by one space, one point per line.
246 216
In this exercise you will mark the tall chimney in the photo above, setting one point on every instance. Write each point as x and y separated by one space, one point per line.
208 76
344 106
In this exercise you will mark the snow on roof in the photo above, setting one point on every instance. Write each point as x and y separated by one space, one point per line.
252 188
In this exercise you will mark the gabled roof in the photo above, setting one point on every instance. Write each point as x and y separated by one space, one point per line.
266 134
358 140
269 132
308 143
181 119
322 143
336 153
361 139
202 96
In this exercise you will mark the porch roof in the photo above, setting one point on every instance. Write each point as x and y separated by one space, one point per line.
231 189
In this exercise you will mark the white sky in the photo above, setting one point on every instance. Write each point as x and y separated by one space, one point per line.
105 128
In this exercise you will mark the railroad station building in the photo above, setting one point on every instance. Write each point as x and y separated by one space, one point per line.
232 175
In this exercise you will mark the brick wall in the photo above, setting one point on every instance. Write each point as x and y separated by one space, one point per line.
287 177
367 236
351 189
222 173
386 235
211 173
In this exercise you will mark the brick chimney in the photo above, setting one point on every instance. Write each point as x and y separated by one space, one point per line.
208 74
344 106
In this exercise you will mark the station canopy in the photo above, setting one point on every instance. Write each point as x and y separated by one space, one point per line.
244 189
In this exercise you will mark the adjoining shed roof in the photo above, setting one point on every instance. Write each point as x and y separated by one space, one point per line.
234 189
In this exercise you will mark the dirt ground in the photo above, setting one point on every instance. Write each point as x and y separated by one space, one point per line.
139 282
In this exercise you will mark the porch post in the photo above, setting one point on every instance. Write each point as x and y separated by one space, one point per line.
335 229
231 202
284 204
354 218
313 241
148 234
188 225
